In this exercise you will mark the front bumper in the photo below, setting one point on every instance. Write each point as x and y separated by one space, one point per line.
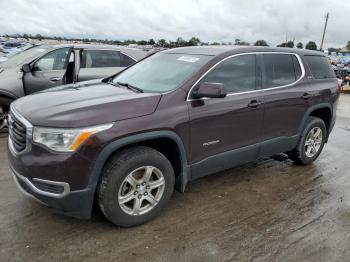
76 203
59 180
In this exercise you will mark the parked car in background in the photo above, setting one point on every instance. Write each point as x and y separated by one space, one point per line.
45 66
2 54
181 114
6 53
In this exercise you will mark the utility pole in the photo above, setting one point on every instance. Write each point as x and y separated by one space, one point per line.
324 30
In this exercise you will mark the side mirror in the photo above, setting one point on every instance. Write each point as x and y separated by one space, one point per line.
26 68
210 90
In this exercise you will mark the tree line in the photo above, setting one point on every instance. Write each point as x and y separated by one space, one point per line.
179 42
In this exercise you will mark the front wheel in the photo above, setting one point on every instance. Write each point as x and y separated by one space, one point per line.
4 109
136 184
311 142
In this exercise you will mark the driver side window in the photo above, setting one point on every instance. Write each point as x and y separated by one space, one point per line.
237 74
55 60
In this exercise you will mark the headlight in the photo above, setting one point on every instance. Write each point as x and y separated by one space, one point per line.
65 139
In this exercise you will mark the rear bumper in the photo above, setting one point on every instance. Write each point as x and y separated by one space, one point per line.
72 203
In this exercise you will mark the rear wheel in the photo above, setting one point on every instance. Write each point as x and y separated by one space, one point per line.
311 142
136 184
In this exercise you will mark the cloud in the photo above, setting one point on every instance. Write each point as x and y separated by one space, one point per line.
210 20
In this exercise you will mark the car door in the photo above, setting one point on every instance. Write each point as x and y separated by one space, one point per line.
102 63
286 94
47 71
225 132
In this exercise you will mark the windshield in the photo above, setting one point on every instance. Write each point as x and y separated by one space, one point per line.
24 56
162 72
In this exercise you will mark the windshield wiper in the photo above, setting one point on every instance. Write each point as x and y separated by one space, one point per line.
112 83
131 87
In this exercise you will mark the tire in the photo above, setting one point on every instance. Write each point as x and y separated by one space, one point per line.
125 173
302 154
4 110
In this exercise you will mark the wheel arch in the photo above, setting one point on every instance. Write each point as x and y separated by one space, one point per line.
181 169
323 111
6 97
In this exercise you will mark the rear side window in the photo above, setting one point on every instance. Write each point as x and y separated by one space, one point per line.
320 67
100 58
237 74
280 70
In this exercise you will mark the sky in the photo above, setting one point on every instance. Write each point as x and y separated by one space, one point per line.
210 20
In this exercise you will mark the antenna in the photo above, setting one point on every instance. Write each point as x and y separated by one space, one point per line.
324 30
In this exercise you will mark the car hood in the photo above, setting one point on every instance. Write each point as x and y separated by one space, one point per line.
85 104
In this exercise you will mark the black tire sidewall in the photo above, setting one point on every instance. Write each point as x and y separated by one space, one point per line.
2 111
120 171
312 122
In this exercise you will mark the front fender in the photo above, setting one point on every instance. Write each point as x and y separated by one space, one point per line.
11 83
114 146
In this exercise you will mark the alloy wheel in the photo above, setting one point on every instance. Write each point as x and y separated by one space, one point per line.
3 120
313 142
141 190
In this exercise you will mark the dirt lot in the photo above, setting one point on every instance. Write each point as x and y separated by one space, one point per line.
267 211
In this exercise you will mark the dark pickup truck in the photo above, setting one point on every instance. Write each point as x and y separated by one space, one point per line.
44 66
127 141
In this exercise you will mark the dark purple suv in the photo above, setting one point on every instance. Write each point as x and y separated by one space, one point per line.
127 141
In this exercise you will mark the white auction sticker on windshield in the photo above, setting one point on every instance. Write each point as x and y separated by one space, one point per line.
189 59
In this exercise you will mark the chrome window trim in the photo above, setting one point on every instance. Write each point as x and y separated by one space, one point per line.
29 132
17 176
252 91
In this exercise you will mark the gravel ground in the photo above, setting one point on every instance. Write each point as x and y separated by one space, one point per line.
271 210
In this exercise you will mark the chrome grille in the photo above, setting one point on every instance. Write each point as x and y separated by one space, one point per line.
18 133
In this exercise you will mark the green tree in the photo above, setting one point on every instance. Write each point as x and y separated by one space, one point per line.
261 43
151 42
180 42
239 42
194 41
348 45
142 42
332 49
290 44
300 45
39 37
311 45
161 43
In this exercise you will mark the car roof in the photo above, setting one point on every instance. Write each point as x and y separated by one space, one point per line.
219 50
135 53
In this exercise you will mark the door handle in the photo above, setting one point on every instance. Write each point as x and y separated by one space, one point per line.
306 96
55 79
254 103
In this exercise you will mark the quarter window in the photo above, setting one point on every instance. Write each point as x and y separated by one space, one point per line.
55 60
279 70
320 67
100 58
237 74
